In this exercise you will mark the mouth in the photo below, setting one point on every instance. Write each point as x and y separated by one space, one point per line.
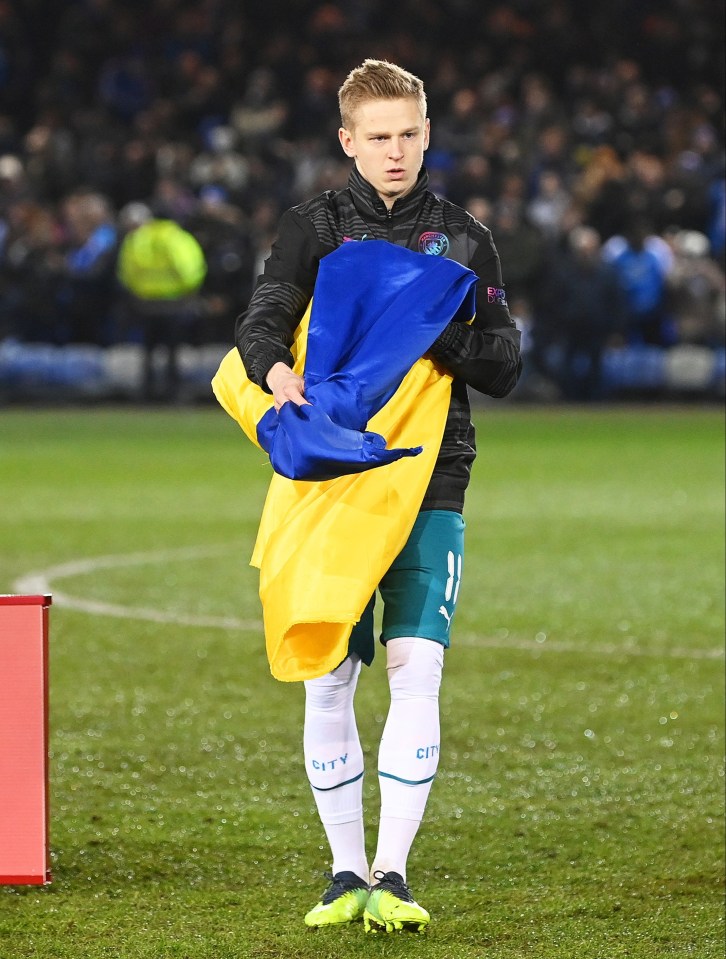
396 174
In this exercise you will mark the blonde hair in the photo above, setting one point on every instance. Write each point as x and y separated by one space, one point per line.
377 80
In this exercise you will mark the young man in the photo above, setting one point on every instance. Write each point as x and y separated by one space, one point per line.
385 131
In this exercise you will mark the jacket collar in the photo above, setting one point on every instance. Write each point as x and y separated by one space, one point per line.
370 205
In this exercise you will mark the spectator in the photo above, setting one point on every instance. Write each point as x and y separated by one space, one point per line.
221 164
85 272
31 239
460 125
13 182
310 116
522 247
124 85
584 306
547 208
647 194
642 263
600 191
51 156
161 266
472 176
225 238
697 290
259 116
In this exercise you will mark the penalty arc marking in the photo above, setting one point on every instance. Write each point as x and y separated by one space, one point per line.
43 581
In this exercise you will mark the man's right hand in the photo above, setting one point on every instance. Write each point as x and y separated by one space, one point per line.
286 386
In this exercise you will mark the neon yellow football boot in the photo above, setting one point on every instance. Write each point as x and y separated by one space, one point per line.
343 901
391 906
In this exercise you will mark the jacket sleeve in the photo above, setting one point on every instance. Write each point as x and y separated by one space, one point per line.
486 353
264 332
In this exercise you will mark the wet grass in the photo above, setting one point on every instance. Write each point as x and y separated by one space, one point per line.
578 811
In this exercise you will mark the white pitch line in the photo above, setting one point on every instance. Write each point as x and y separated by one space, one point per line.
42 582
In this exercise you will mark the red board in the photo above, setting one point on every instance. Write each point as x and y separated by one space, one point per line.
24 850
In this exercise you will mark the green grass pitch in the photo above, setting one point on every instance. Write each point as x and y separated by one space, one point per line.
578 809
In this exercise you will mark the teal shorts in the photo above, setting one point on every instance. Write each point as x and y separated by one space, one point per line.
421 587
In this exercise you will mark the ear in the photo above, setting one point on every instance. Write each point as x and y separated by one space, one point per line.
427 133
346 141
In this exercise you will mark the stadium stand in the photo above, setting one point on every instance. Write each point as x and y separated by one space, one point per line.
547 116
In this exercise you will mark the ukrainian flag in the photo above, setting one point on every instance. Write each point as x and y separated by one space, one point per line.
351 469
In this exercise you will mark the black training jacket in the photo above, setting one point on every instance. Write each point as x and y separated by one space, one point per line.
483 355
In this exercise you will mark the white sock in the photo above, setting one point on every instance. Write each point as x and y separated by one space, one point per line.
334 764
409 752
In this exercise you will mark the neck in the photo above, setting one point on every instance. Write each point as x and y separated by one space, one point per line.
366 192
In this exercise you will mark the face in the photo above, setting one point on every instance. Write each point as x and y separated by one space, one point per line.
387 143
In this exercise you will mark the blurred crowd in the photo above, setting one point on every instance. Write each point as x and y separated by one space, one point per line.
589 139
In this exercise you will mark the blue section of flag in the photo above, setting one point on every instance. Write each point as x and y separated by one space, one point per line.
377 308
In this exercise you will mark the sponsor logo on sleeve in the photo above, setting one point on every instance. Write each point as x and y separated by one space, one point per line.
495 295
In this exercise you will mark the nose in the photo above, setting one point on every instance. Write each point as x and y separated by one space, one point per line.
395 150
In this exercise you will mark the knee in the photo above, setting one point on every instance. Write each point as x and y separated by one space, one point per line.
414 667
329 691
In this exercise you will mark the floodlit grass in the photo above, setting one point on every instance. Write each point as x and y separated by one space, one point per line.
578 810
